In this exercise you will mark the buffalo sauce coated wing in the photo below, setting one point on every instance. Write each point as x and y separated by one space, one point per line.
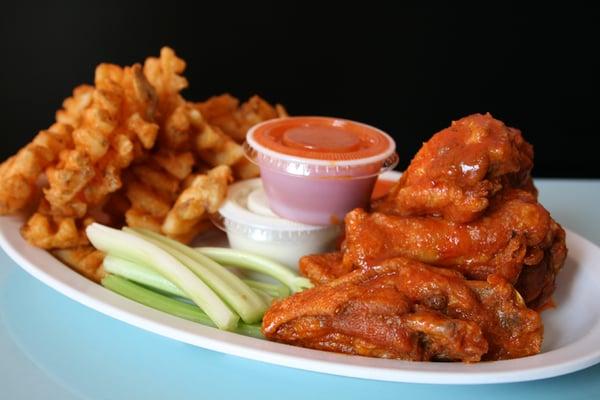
460 168
516 234
323 268
407 310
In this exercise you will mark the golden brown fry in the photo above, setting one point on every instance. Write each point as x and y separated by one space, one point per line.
120 153
225 113
148 200
219 111
204 195
177 129
137 218
201 226
113 129
281 111
154 205
164 73
245 169
67 178
50 232
176 163
83 259
19 174
257 110
214 147
221 122
183 124
156 178
153 186
73 107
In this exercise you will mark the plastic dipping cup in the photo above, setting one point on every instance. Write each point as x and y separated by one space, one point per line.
317 169
251 226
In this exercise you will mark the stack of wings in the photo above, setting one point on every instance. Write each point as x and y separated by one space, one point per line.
129 149
450 265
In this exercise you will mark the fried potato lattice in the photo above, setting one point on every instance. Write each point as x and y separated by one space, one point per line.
129 149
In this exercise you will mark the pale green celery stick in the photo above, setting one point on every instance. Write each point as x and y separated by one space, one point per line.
140 274
266 297
148 277
138 250
242 259
250 306
277 291
166 304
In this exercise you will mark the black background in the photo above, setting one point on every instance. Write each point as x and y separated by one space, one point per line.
407 69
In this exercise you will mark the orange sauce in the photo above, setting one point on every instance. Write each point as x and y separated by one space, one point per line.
382 187
322 138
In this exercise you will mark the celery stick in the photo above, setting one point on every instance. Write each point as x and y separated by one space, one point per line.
277 291
136 249
140 274
242 259
250 306
166 304
266 297
146 276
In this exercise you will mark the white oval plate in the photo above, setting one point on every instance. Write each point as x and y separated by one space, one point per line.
571 338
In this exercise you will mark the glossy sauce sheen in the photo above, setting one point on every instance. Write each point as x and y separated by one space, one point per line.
407 310
322 139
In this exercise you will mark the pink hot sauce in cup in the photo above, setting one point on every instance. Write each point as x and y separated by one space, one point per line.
317 169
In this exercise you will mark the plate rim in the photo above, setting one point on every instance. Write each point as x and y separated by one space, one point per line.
84 291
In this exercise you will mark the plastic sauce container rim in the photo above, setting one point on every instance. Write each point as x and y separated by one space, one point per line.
279 157
275 237
232 211
330 171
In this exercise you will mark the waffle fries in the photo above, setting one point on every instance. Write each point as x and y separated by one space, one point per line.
129 150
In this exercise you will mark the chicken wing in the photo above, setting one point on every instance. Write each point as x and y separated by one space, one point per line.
323 268
515 233
460 168
408 310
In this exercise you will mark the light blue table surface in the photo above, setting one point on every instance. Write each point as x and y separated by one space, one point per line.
54 348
